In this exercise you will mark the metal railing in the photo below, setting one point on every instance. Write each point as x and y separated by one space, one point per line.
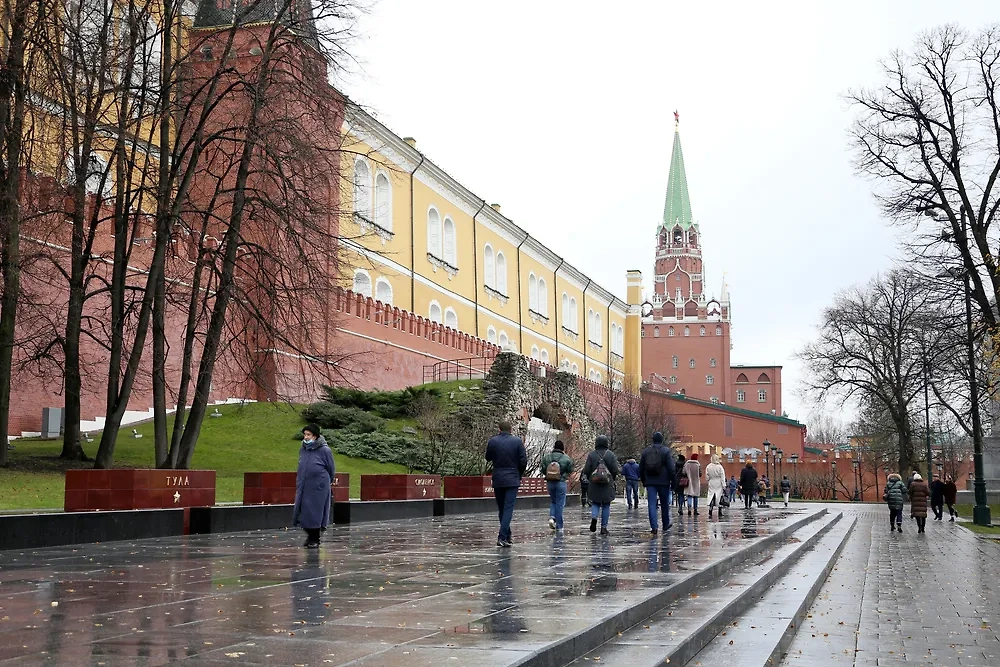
473 368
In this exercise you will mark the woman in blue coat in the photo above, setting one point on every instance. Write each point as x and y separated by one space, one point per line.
312 485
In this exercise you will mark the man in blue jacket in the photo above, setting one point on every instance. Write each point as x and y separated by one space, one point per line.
631 472
509 458
656 470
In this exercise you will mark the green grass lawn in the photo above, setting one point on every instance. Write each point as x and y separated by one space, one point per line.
256 437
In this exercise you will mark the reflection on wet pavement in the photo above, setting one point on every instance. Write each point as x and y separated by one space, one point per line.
409 592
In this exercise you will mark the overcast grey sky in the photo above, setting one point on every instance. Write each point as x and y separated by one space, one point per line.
562 113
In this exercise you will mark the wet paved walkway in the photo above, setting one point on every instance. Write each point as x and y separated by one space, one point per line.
894 599
393 593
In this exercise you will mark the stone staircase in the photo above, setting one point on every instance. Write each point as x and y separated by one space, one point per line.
743 609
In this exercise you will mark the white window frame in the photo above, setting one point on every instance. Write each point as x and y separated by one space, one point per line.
451 318
532 292
436 318
541 300
489 267
366 290
435 233
762 395
501 268
503 340
574 314
534 352
718 330
656 332
379 283
712 362
741 396
383 204
670 332
702 332
687 332
449 253
362 191
691 363
675 362
673 379
491 335
575 368
709 379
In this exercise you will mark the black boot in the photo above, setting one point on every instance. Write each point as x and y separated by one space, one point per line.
593 525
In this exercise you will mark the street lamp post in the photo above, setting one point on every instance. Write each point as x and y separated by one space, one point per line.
767 461
833 480
794 458
781 455
981 512
856 466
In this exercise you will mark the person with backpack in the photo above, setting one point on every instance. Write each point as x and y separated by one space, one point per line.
680 483
894 495
601 469
692 468
656 471
630 471
556 467
748 484
786 488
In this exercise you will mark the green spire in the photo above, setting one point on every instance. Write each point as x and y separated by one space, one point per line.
677 207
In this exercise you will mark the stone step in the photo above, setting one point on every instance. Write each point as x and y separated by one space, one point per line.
687 624
763 635
606 628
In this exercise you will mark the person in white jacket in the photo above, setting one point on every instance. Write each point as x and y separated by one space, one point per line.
715 474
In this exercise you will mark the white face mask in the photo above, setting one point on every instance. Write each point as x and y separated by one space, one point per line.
308 438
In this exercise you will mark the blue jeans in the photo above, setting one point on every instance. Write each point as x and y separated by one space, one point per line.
505 507
692 501
604 510
632 492
732 495
557 494
659 494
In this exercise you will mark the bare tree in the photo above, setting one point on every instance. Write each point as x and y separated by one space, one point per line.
875 344
825 429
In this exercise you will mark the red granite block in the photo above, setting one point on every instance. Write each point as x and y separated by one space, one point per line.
288 479
75 500
99 499
140 479
99 479
252 479
141 499
78 479
252 495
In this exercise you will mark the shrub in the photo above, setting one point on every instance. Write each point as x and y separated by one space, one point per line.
353 419
385 404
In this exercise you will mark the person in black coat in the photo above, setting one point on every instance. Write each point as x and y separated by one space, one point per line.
656 471
937 498
679 474
601 493
748 484
509 458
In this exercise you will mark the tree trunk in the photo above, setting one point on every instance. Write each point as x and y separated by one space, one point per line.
160 374
72 448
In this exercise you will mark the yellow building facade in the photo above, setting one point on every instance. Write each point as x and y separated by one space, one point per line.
419 240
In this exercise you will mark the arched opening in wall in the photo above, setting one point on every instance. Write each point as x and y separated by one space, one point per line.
451 319
670 332
667 310
362 190
692 239
718 330
362 283
742 379
690 309
383 202
687 331
656 332
575 368
763 379
491 335
543 356
383 291
503 341
678 236
702 331
434 312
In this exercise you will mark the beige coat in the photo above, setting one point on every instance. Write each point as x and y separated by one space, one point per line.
693 470
715 475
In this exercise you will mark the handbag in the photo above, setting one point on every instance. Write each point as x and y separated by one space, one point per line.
723 501
683 481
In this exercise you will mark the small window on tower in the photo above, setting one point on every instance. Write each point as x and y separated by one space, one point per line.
711 362
674 361
741 396
670 332
656 332
678 236
762 396
673 379
718 331
687 332
702 332
691 363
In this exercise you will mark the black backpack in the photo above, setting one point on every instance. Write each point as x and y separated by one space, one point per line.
654 462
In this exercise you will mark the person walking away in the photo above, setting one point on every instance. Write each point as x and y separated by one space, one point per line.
680 482
313 480
630 471
937 498
693 489
556 467
656 471
786 488
715 475
909 480
584 484
733 485
893 495
919 495
509 458
601 469
950 495
748 484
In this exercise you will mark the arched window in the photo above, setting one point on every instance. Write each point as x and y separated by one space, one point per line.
711 362
702 332
489 267
590 324
597 376
534 352
491 335
544 356
383 291
690 363
502 340
575 369
450 253
574 316
718 330
434 233
97 170
762 378
597 336
362 190
362 284
434 313
383 202
709 379
543 300
656 332
501 274
674 361
591 375
532 292
687 331
670 332
742 379
451 318
621 341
